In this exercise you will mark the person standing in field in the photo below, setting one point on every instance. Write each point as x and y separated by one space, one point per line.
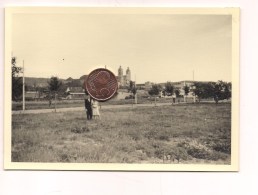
95 109
88 108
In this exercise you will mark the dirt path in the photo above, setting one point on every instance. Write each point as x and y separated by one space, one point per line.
82 108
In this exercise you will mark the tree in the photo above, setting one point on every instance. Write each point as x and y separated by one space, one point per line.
227 90
204 90
222 90
218 91
155 89
169 88
54 84
132 88
177 92
16 80
187 90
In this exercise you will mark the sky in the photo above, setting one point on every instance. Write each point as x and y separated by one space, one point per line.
156 47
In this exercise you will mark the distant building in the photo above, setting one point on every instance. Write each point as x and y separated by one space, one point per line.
75 93
148 85
140 86
32 95
180 85
123 80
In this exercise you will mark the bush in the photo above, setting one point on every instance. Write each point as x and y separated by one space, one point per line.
178 153
223 147
195 149
200 153
80 129
171 153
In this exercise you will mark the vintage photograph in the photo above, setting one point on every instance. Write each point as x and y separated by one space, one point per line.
174 102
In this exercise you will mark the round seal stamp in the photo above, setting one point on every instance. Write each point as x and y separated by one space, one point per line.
101 84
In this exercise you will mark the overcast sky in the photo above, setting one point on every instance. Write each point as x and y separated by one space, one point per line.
156 48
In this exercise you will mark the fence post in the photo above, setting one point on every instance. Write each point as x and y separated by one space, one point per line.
55 102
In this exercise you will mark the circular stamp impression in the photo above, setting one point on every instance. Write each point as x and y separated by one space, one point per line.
101 84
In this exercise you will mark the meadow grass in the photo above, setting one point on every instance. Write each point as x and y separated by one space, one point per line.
186 133
34 105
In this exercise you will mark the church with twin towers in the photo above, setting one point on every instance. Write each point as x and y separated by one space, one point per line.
124 80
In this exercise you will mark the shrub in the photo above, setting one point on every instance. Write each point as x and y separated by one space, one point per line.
164 137
217 155
195 149
223 147
80 129
178 153
200 153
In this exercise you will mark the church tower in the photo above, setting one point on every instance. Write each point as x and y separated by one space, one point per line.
120 76
128 75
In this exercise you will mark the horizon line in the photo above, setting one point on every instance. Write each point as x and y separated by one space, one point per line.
133 80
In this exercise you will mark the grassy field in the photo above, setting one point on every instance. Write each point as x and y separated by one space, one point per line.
33 105
184 133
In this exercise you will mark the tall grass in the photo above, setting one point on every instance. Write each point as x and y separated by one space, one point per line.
190 133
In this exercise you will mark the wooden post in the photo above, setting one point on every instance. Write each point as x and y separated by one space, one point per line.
23 88
55 101
135 96
194 99
194 96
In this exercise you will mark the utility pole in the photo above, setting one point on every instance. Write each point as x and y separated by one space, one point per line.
135 96
23 88
193 75
184 91
193 89
55 101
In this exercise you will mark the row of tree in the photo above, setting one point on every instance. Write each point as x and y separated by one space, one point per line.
54 84
202 90
168 90
218 91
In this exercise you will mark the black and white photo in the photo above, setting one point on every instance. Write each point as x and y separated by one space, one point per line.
176 105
